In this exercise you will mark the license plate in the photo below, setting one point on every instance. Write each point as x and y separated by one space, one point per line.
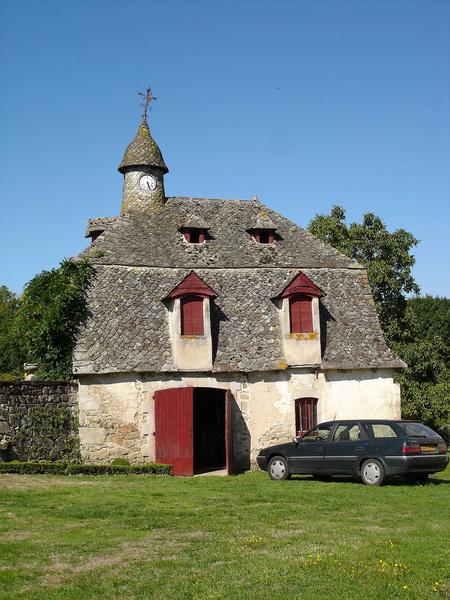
430 448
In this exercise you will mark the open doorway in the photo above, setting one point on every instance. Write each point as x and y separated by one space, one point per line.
194 429
209 430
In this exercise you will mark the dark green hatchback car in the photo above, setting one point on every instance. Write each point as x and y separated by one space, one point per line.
369 449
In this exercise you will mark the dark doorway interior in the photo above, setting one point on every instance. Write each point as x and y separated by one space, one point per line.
209 429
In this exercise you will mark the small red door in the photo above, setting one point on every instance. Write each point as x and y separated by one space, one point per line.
174 412
229 432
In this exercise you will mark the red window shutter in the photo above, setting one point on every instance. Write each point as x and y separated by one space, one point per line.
300 313
257 235
305 414
201 237
187 235
192 316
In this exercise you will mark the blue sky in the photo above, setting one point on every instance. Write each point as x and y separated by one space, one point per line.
306 103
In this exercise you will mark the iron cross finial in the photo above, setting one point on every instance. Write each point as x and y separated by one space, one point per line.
147 99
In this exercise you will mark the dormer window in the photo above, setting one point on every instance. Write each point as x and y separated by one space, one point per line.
194 235
263 236
189 306
299 314
263 229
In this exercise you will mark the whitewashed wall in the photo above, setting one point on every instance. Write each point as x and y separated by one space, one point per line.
117 411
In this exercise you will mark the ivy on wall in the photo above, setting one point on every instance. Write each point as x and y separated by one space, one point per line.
40 421
47 432
52 307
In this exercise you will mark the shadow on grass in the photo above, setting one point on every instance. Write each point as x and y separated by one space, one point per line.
394 482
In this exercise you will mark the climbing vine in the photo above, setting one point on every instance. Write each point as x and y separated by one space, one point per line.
52 307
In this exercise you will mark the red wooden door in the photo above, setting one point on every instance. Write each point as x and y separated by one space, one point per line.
174 413
229 432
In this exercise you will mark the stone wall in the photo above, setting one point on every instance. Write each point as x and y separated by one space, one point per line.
39 421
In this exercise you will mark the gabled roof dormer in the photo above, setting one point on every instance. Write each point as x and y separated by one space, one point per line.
194 229
190 324
303 286
192 284
299 314
263 229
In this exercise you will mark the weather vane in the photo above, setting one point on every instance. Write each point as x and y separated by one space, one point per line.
147 99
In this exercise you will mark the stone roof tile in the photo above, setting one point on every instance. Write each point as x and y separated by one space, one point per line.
121 336
131 240
143 150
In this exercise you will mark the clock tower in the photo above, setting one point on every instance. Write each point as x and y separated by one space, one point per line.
143 169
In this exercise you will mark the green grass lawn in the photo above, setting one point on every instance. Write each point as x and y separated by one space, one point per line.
239 537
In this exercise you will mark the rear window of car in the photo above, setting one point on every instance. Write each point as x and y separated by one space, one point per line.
382 430
417 429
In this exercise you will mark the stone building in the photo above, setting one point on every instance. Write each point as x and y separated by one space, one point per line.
217 327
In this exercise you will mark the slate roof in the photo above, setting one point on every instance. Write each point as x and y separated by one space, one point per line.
131 240
263 221
143 150
98 225
139 261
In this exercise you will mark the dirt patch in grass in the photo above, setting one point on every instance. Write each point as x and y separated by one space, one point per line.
283 533
35 482
156 545
375 528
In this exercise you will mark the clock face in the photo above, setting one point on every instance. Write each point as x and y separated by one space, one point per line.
147 183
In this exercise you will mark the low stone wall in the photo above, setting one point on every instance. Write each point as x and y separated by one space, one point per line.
39 421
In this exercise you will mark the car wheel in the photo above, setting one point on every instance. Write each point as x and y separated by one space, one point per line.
278 468
372 472
417 478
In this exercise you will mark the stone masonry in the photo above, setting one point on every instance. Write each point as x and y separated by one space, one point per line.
39 420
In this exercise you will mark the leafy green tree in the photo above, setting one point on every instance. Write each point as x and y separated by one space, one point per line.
432 316
51 309
426 382
387 257
11 352
417 329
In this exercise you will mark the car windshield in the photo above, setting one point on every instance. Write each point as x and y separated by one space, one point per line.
417 430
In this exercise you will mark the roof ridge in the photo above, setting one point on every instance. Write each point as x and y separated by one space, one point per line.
209 199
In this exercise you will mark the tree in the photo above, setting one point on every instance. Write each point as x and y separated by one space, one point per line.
387 257
426 382
51 309
417 328
11 352
432 316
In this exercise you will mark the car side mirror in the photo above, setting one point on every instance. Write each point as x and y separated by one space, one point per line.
297 440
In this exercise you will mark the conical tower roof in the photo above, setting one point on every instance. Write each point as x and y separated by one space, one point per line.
143 150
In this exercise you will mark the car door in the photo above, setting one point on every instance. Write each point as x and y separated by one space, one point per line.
345 447
308 454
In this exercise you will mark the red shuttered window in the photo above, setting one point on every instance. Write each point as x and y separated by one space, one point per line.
192 315
300 314
194 236
305 414
263 236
